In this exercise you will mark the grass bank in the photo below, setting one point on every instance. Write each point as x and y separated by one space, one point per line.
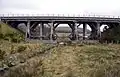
10 34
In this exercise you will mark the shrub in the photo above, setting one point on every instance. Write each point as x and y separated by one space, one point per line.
12 49
17 38
21 48
2 54
1 36
111 35
10 34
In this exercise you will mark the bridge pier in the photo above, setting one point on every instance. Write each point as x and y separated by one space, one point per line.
98 31
84 30
93 31
27 30
51 31
41 25
74 33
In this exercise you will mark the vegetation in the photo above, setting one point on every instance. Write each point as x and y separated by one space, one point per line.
83 61
2 54
10 34
61 61
111 35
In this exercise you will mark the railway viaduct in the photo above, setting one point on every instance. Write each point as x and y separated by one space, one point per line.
52 22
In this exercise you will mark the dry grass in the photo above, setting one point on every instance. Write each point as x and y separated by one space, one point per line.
22 59
84 61
65 61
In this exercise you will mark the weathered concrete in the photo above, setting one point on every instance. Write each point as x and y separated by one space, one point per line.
84 30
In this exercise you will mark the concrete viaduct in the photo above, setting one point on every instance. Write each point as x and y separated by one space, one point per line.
52 22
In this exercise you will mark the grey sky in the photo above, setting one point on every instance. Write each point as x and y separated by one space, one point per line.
98 7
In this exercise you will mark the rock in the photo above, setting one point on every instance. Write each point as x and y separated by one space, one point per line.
2 71
11 64
61 43
5 67
12 60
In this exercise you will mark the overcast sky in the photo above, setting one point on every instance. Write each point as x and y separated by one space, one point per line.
98 7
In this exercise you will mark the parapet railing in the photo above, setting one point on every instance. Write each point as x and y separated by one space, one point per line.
59 15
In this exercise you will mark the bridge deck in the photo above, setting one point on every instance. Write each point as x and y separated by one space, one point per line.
60 18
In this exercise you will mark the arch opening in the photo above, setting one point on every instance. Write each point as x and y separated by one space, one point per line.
63 31
84 32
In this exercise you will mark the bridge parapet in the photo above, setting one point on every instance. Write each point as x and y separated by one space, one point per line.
58 15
